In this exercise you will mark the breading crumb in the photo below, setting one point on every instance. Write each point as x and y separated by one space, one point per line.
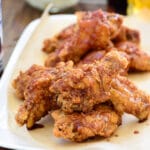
136 132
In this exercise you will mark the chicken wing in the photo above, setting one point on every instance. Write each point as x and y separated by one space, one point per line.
102 121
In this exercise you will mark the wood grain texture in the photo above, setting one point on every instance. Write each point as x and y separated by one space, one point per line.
16 16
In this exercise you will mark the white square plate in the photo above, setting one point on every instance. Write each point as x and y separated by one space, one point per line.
16 137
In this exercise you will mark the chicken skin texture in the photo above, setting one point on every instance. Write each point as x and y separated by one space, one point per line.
38 100
78 89
91 57
126 97
21 82
39 94
127 34
139 60
58 40
101 121
82 88
93 30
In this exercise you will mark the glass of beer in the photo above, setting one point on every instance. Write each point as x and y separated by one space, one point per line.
135 6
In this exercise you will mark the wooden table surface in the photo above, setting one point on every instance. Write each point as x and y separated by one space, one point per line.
17 14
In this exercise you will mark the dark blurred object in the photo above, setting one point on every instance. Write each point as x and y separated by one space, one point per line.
85 5
92 5
1 39
119 6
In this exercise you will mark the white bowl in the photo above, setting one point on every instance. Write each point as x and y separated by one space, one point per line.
58 4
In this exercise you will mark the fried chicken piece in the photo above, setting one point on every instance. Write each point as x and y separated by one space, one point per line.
94 30
126 97
58 40
38 99
78 90
94 56
82 88
102 121
127 34
97 56
21 82
37 102
139 60
91 57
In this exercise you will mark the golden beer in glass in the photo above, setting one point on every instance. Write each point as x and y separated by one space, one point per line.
134 6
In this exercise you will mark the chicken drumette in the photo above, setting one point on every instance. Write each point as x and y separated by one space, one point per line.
80 89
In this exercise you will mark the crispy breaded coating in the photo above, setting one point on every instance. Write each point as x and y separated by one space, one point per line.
102 121
91 57
127 34
38 99
139 60
80 91
126 97
77 89
94 56
20 83
70 87
94 30
37 102
58 40
82 88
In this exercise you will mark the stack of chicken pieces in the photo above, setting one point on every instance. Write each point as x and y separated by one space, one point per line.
84 84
